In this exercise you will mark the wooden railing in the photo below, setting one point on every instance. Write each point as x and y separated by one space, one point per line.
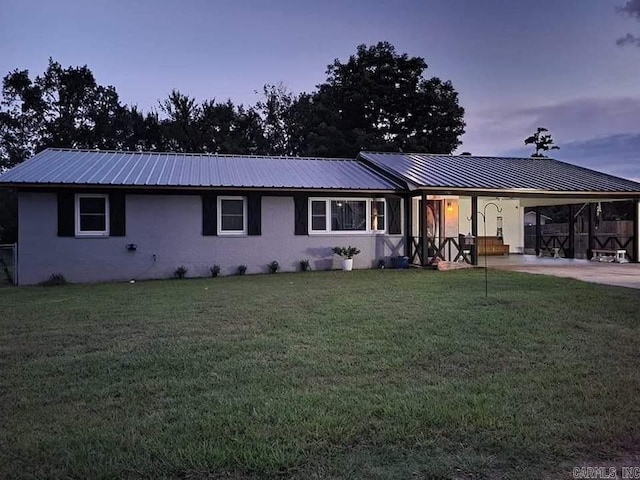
614 242
601 242
444 248
557 241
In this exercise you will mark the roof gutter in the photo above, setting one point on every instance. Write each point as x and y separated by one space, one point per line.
76 186
525 193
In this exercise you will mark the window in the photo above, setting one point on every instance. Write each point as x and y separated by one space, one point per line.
92 215
347 215
378 215
232 215
319 215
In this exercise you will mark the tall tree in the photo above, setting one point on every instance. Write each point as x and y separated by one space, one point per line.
64 107
276 110
180 128
226 128
381 100
542 141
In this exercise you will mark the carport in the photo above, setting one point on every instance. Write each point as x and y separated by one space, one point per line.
457 205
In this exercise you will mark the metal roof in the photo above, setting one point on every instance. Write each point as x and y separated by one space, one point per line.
166 170
496 173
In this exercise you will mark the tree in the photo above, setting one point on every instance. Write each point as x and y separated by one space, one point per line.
181 129
542 141
226 128
64 107
380 100
209 127
276 111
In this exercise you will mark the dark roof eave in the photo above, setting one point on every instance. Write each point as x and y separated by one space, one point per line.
49 186
524 193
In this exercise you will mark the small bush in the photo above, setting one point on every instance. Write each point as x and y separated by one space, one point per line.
305 265
273 267
242 269
181 271
5 269
54 280
381 264
215 270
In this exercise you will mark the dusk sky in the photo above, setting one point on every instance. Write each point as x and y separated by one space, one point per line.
516 64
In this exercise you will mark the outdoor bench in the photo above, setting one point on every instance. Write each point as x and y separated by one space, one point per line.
602 255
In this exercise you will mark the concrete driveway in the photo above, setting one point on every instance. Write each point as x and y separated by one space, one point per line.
620 275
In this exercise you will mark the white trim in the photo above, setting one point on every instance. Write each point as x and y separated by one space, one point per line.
244 216
367 231
637 233
92 233
327 215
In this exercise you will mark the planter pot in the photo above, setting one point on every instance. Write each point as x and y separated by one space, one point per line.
347 264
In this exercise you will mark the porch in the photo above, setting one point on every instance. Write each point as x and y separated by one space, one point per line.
460 228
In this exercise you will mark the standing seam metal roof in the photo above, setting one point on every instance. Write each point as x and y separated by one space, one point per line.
95 167
496 173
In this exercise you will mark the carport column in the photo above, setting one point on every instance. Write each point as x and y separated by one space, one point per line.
408 227
423 228
636 231
474 229
538 230
572 227
591 231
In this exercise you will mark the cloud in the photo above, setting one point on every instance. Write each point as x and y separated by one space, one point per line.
632 9
615 154
581 119
628 39
598 133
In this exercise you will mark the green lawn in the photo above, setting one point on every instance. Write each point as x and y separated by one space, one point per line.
369 374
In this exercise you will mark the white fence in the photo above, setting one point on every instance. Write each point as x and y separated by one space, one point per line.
8 264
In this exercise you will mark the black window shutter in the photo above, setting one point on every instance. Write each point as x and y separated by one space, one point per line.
66 214
301 209
209 214
117 215
394 215
254 212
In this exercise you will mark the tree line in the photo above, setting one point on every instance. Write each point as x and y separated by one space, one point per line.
378 99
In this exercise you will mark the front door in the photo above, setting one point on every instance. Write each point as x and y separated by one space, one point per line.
433 216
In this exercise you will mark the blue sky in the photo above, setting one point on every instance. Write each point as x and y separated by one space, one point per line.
516 64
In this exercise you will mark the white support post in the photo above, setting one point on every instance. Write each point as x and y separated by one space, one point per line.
636 256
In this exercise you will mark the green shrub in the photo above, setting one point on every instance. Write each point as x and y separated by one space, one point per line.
215 270
181 271
242 269
273 267
346 252
54 280
305 265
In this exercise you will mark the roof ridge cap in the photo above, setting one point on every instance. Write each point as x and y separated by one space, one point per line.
198 154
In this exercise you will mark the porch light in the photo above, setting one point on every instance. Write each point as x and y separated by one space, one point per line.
449 207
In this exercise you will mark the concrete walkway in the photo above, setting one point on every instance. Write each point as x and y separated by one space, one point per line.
621 275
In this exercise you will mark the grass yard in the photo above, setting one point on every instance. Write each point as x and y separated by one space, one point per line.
369 374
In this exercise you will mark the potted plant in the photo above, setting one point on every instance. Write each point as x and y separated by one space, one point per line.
347 254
